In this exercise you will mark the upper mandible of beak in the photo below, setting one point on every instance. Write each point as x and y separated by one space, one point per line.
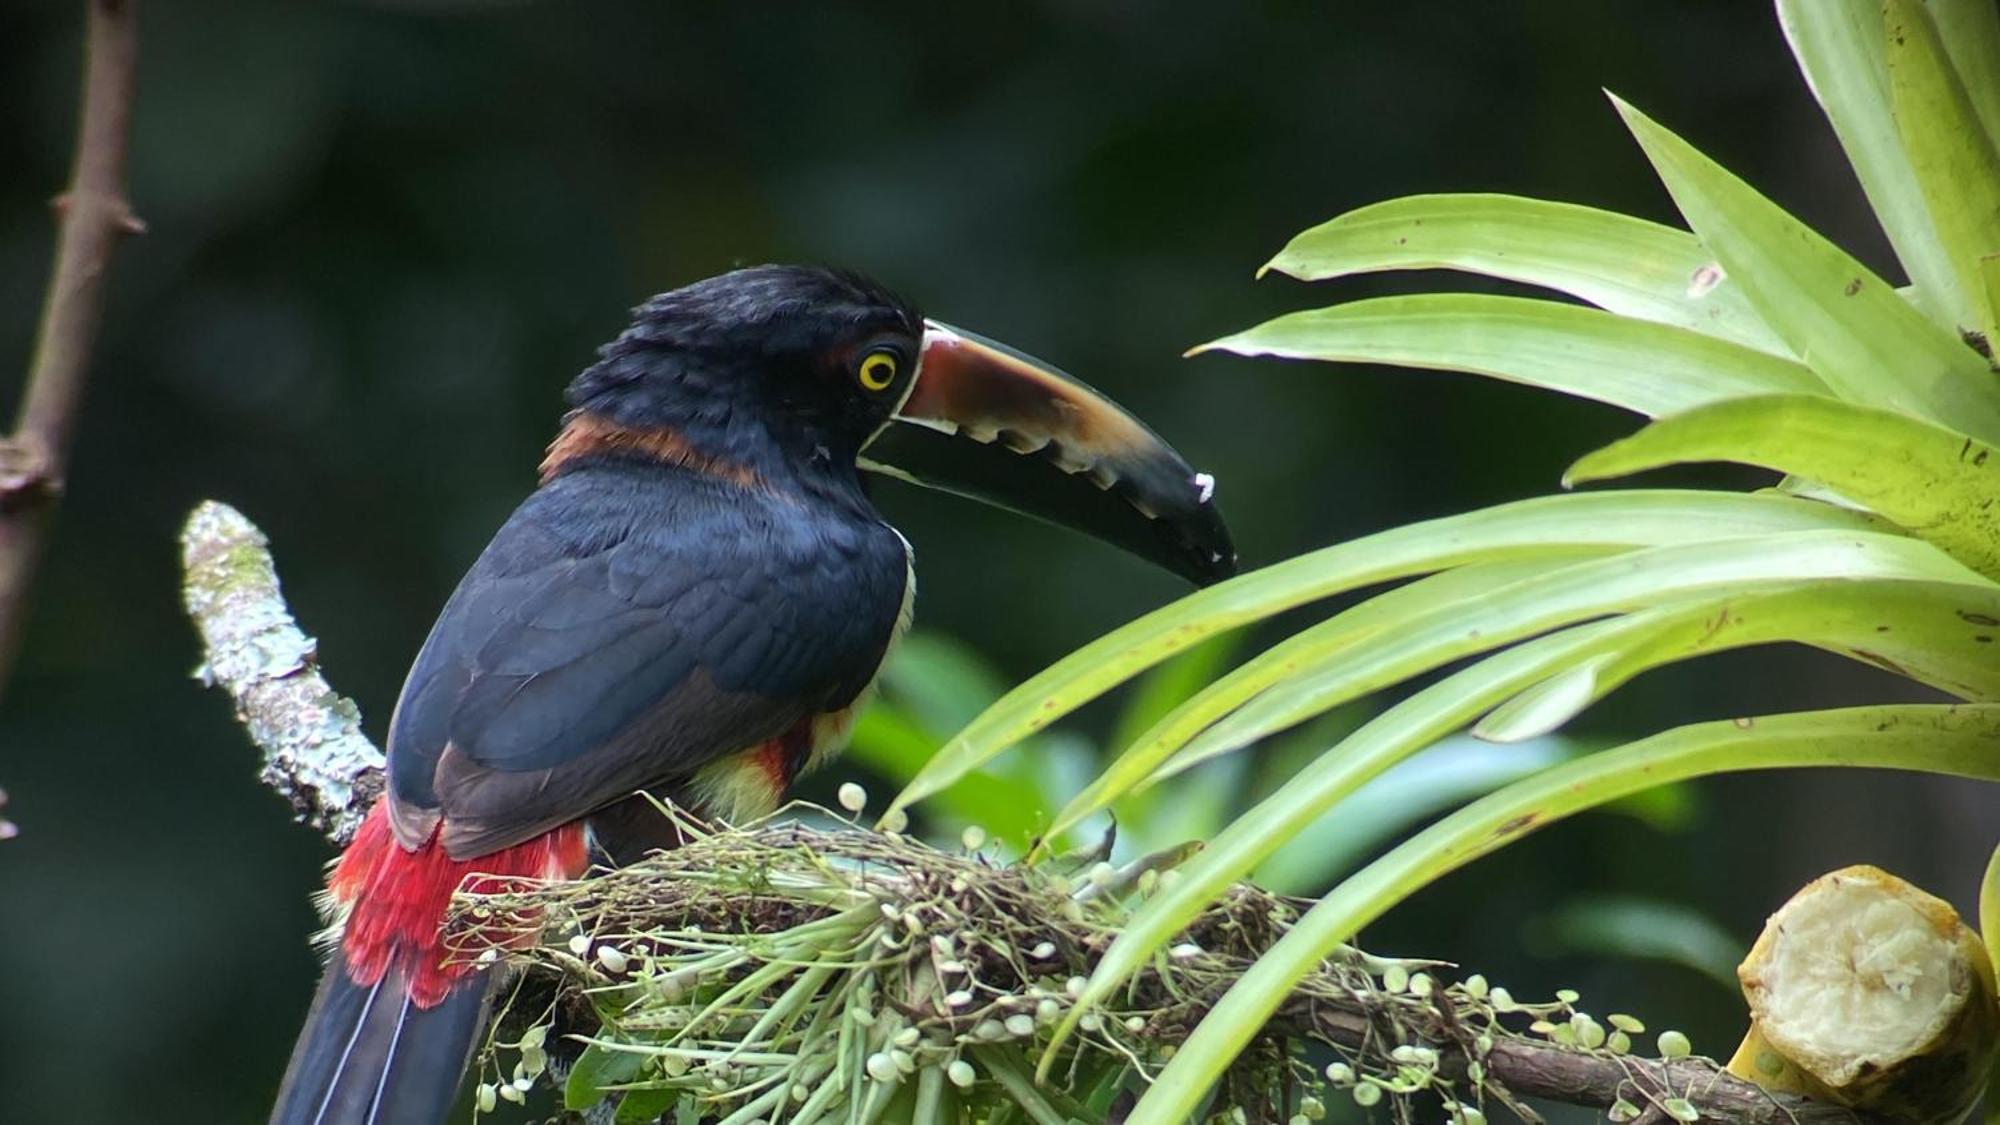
986 421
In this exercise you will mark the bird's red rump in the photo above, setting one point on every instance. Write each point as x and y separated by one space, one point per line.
396 899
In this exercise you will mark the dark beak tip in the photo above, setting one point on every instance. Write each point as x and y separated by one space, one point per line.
1208 552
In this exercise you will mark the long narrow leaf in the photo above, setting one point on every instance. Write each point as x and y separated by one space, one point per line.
1428 636
1970 30
1956 740
1948 149
1647 368
1459 590
1835 614
1936 634
1313 691
1624 265
1840 49
1928 478
1518 530
1867 343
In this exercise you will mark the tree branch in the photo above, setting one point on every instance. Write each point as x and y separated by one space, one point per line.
1526 1068
315 756
93 216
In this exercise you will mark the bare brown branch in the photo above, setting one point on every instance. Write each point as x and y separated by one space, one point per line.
1596 1079
93 215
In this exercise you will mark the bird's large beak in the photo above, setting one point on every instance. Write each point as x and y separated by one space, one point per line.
985 421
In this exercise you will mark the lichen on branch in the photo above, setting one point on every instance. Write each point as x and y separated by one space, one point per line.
314 752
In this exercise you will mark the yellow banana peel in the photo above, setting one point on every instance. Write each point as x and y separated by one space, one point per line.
1867 992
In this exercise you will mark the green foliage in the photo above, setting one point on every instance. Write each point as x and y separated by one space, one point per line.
1752 339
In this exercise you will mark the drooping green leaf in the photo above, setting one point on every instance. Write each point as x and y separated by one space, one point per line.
1940 635
1460 589
1645 367
1970 31
1955 740
1624 265
1517 530
1935 481
1941 645
1850 327
1396 733
1840 48
1953 157
1546 706
1437 634
1937 627
1169 685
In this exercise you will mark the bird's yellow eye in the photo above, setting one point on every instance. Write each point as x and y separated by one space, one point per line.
877 370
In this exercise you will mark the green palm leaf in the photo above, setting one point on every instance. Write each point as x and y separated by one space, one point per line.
1956 740
1297 681
1951 154
1620 264
1942 621
1842 51
1542 526
1866 342
1645 367
1753 340
1937 482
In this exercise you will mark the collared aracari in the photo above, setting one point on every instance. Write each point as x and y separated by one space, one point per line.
689 607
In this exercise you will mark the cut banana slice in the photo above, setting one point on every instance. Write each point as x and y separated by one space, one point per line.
1866 991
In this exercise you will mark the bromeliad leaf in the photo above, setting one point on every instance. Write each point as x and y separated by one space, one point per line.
1645 367
1840 48
1950 152
1623 265
1935 481
1954 740
1460 589
1970 31
1942 636
1863 340
1540 526
1310 684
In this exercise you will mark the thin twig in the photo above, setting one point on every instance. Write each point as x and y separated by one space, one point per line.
93 216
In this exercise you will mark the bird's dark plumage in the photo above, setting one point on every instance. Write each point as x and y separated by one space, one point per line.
619 633
690 605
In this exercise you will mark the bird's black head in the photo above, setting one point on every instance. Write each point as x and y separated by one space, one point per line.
795 377
774 367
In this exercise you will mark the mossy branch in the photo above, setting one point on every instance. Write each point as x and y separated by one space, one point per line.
737 962
314 753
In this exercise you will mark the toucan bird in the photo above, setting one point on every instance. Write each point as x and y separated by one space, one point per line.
690 606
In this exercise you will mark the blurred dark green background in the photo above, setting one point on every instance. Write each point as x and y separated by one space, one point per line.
384 236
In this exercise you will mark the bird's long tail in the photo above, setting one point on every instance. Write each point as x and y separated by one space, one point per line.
370 1055
395 1020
